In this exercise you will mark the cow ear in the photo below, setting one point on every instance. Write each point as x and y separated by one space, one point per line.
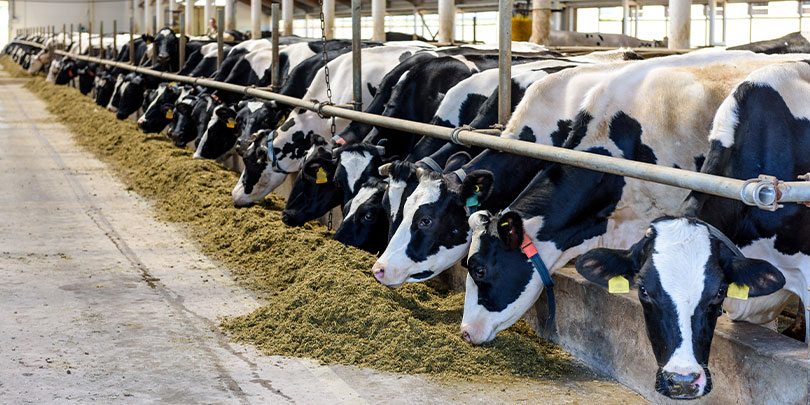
225 112
600 265
477 183
761 277
510 230
457 160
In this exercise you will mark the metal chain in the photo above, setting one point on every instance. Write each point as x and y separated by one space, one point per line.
329 222
326 68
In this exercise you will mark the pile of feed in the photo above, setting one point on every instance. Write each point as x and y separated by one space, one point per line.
322 301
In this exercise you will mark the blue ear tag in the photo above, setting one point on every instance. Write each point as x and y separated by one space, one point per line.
472 201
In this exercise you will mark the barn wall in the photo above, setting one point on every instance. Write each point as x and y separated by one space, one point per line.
43 13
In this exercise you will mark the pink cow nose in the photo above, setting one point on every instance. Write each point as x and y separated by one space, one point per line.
466 336
379 271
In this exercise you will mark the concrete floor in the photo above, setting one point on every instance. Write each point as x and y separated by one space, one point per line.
101 302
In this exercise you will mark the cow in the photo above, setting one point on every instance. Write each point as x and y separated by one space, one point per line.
365 224
796 42
293 138
160 110
573 38
181 128
566 211
713 244
539 117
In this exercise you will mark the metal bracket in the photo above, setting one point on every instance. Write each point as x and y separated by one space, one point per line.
762 192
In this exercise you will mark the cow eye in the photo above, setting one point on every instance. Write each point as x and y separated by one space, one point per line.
643 292
368 217
721 293
479 271
425 222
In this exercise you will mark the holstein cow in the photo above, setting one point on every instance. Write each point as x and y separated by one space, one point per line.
288 144
566 211
540 117
684 267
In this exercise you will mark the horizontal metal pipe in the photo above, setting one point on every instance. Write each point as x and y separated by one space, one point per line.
793 191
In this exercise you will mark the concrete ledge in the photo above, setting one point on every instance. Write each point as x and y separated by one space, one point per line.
750 364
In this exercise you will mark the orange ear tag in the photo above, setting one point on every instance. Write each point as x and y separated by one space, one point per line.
231 123
169 114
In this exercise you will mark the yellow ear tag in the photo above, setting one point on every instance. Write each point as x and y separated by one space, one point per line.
281 121
320 177
618 285
737 291
169 114
231 123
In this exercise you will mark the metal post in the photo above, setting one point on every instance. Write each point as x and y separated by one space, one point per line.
182 41
725 6
207 14
71 35
101 47
287 15
90 39
154 25
132 41
64 36
626 17
504 61
189 18
220 44
635 27
357 77
255 18
115 39
679 27
475 28
80 40
378 17
276 76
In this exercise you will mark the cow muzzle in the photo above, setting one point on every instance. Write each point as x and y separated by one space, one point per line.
682 385
383 273
474 333
163 57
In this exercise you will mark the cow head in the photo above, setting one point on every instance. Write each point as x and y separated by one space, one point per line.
160 110
104 85
425 243
365 225
288 147
202 113
132 96
182 129
683 273
165 47
219 135
115 98
252 115
67 71
87 76
314 192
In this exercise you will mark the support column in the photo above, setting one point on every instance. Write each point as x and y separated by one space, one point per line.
230 15
208 14
287 10
147 17
159 14
329 18
504 61
541 22
712 14
189 17
626 17
679 23
447 21
378 17
255 18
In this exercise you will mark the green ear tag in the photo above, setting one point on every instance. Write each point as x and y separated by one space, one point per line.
169 114
472 201
618 285
320 176
737 291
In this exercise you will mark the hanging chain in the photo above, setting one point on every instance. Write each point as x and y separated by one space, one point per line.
329 222
326 68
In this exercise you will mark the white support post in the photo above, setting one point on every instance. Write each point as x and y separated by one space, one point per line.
230 15
208 14
725 7
679 23
378 16
147 17
541 22
287 11
712 14
159 14
447 21
626 17
329 18
255 18
504 61
189 17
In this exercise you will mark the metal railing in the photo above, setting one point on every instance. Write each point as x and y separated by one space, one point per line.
765 192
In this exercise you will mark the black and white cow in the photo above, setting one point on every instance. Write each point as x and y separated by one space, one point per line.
293 138
160 110
365 223
683 269
566 211
181 128
541 117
